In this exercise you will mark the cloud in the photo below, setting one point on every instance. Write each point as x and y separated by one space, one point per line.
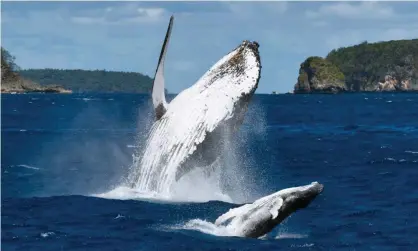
362 10
400 33
251 10
120 14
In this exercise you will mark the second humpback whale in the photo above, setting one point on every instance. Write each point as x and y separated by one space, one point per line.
259 218
188 131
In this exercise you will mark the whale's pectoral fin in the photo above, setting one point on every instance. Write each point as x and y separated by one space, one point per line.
274 209
158 89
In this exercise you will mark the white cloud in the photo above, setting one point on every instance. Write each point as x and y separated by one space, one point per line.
347 38
251 9
352 37
400 33
120 14
362 10
88 20
151 12
319 23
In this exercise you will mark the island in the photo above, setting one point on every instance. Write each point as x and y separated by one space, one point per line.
12 82
366 67
99 81
17 80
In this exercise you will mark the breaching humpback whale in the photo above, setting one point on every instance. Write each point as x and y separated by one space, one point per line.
187 131
259 218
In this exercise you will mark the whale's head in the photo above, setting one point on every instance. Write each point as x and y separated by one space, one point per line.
300 197
284 203
236 74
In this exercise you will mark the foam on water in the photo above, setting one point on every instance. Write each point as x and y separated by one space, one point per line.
183 191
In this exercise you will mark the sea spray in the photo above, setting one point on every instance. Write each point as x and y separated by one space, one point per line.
230 180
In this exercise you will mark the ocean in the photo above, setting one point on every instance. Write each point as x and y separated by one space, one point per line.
65 159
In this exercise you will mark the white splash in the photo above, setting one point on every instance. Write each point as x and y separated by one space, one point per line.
283 235
182 191
47 234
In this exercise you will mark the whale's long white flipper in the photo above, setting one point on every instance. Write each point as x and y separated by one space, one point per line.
158 92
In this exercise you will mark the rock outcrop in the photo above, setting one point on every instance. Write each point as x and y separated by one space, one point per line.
27 86
317 75
366 67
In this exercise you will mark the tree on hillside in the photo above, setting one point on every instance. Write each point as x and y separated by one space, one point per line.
7 58
8 65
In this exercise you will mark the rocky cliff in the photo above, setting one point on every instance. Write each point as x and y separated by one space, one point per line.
367 67
317 75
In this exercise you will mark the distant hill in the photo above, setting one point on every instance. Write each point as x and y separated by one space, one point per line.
91 80
382 66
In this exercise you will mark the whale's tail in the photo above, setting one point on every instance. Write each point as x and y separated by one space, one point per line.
158 89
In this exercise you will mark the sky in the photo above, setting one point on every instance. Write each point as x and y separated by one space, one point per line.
127 36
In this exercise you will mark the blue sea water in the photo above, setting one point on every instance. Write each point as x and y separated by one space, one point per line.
59 151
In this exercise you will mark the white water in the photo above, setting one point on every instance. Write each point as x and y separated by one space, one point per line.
183 191
232 171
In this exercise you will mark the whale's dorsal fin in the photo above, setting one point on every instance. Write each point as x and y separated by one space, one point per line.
158 91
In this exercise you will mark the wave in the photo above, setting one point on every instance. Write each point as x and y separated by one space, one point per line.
26 166
412 152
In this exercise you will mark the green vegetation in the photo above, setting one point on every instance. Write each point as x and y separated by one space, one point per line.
317 74
390 65
15 79
366 64
92 80
12 82
323 69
